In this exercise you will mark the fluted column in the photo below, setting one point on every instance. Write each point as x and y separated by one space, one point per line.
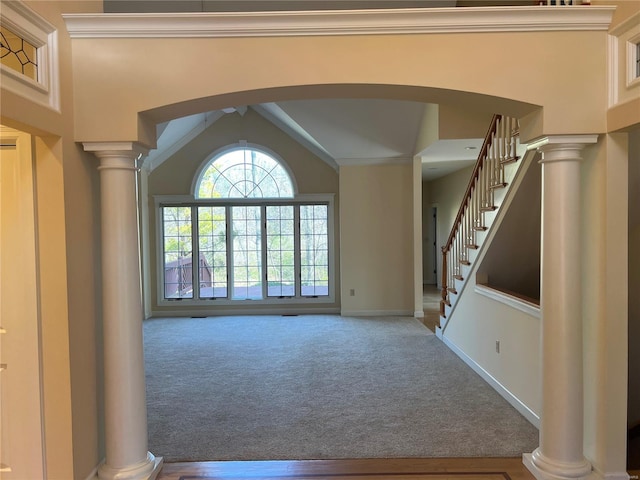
560 454
127 457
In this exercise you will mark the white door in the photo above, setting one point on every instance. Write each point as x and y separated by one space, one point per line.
21 434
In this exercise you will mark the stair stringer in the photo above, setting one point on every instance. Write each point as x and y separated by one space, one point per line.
514 175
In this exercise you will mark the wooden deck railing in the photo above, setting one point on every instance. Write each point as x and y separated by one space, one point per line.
498 149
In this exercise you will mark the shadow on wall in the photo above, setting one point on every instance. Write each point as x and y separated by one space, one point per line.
512 262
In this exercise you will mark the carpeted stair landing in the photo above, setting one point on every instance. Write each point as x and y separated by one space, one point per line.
318 387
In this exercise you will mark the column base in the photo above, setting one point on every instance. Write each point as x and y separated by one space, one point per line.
147 470
544 468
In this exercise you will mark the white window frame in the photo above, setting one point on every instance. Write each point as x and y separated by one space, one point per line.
28 25
190 201
242 144
633 53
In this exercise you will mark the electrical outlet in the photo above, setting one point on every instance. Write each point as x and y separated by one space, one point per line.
352 292
497 346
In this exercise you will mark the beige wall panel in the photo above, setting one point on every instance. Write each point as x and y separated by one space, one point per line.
376 224
604 305
479 322
428 131
462 122
634 278
116 78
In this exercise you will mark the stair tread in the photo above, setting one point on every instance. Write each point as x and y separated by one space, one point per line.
458 277
472 246
465 262
480 228
453 290
498 185
492 208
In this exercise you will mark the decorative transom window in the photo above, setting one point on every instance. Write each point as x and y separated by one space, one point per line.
244 173
18 54
29 55
246 236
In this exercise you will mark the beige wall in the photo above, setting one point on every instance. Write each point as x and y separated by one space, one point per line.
341 66
69 284
604 300
429 263
634 278
446 194
176 174
376 239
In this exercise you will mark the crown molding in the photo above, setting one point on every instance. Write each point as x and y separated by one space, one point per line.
339 22
359 162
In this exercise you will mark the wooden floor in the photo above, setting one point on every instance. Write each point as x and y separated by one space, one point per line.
362 469
431 296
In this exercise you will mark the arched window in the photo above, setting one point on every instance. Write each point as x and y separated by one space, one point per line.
246 235
244 173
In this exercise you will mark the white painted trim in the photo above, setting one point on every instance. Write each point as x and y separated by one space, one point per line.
277 116
631 52
613 69
628 24
125 147
357 162
509 300
339 22
597 474
617 476
418 314
94 473
23 21
242 145
515 402
157 158
376 313
218 312
265 303
562 140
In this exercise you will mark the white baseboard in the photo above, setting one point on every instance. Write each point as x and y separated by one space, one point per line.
515 402
598 475
219 312
376 313
418 314
94 473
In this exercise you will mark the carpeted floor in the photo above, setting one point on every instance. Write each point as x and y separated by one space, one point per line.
318 387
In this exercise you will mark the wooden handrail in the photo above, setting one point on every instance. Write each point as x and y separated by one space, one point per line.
474 178
497 150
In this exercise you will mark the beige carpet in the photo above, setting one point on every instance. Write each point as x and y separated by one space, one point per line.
318 387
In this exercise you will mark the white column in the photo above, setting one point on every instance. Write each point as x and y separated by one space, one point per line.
127 457
560 454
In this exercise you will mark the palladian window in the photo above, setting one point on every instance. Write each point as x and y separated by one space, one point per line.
250 236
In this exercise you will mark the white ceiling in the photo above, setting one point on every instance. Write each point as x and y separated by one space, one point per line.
340 132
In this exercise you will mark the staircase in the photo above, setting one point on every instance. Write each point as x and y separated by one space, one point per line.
496 169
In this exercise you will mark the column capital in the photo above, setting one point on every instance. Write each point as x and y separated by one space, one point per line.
116 155
115 149
555 148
